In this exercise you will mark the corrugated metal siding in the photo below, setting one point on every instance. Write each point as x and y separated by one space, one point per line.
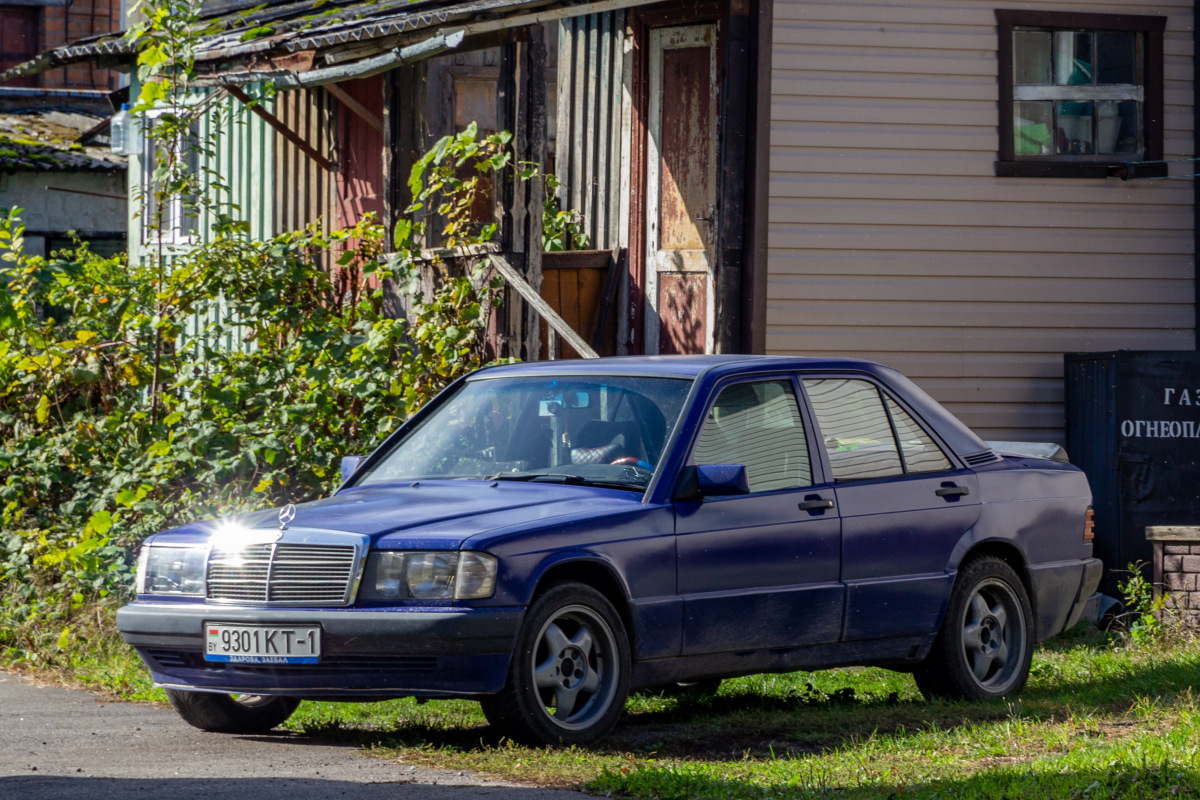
241 148
891 238
594 57
305 192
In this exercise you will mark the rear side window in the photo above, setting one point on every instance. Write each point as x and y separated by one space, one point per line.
855 428
860 427
757 425
919 452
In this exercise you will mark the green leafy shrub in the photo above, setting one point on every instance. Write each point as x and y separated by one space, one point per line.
1146 617
121 415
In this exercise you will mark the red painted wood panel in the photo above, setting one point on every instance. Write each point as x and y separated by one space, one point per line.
360 154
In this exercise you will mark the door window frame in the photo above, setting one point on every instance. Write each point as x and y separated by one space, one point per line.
956 463
817 466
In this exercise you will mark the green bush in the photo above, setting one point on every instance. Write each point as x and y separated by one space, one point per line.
135 397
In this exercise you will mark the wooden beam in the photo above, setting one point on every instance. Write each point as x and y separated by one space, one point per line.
543 309
280 128
534 149
358 108
605 311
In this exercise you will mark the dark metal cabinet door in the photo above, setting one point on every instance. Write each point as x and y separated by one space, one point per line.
759 570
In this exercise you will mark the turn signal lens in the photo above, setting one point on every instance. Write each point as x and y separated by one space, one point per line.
1089 525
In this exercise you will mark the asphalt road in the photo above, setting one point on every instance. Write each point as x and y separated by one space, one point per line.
60 743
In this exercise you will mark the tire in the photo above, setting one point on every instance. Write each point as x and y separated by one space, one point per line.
572 655
223 713
985 646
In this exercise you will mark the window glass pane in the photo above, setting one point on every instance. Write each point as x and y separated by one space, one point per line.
1119 126
1031 58
920 452
757 425
1033 122
1074 127
1073 58
1116 57
855 429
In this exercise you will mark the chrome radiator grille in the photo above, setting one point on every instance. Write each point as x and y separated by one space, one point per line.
282 573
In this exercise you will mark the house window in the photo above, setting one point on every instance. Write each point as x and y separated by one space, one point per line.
177 223
1080 94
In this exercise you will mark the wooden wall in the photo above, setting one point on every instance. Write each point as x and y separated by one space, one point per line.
305 191
890 238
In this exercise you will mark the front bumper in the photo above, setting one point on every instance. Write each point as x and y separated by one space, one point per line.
388 652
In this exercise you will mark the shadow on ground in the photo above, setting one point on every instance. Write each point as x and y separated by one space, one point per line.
1165 781
737 722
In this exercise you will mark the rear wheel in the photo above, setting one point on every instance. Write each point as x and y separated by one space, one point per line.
569 675
985 646
223 713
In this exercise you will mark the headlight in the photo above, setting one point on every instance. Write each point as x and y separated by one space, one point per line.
437 575
171 570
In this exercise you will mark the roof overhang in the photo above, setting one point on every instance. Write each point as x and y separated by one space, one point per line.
336 40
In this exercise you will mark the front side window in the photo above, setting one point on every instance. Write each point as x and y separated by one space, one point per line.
758 426
1079 92
605 431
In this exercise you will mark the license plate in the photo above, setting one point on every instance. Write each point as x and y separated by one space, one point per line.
255 644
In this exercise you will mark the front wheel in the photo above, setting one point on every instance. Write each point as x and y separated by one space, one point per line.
569 675
985 646
223 713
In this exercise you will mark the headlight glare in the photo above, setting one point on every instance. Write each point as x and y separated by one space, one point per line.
433 575
172 570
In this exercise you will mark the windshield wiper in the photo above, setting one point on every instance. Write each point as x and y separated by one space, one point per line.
557 477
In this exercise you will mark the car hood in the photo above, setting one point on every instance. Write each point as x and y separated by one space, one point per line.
435 514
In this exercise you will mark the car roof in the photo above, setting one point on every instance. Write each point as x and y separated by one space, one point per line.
954 433
671 366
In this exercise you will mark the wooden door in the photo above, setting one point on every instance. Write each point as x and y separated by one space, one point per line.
681 181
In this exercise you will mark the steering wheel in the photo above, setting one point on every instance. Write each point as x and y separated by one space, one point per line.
625 461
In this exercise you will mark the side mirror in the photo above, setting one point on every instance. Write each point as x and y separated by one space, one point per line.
350 466
722 479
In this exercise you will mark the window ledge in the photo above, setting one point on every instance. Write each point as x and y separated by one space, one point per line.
1068 169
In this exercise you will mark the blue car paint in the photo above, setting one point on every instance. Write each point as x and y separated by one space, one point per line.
714 587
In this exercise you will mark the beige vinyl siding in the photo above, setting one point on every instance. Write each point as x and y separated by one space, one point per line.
892 239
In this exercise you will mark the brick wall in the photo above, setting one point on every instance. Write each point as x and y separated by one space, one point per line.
1177 569
80 20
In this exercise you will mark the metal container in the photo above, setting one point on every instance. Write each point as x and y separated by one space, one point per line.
1133 425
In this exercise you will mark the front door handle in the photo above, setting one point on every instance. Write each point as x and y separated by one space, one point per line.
951 491
815 504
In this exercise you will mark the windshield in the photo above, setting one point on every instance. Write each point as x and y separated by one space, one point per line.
603 431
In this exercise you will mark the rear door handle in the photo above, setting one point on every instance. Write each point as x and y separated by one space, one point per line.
815 504
952 490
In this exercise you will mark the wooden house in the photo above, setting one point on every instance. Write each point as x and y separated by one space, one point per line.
966 190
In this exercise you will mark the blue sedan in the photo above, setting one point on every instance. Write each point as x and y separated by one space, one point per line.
547 537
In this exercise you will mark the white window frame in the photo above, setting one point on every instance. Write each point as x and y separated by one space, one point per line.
178 229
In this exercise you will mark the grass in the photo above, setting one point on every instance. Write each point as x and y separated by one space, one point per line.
1097 720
